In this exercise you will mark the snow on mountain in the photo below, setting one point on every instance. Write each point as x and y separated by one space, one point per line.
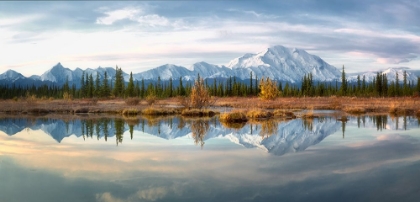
165 72
57 74
207 70
11 75
391 74
285 64
277 62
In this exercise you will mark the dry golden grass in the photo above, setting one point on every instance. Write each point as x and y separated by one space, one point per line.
400 108
406 105
259 114
380 105
233 117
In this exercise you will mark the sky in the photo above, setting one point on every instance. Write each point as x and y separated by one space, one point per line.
140 35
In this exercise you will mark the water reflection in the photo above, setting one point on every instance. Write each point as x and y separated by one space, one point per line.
378 160
199 128
274 136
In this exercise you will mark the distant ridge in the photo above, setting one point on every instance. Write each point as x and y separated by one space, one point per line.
277 62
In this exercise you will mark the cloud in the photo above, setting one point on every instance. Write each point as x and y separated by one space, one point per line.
331 30
393 60
137 15
107 197
152 194
120 14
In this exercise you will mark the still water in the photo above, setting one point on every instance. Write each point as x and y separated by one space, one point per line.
367 158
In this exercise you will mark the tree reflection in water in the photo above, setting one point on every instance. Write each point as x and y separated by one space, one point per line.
199 128
268 128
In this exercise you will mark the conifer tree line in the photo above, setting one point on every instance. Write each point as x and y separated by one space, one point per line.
116 87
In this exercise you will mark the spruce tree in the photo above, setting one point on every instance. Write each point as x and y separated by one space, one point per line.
397 85
82 85
130 87
119 83
105 89
405 86
418 84
91 87
343 88
97 86
250 83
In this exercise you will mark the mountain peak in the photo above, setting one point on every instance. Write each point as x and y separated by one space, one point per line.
11 75
282 63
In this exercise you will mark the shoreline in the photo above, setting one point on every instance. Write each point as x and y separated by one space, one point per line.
351 105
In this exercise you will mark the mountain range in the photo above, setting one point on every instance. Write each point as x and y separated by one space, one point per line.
277 62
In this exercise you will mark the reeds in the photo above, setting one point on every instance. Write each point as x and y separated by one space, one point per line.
259 114
233 117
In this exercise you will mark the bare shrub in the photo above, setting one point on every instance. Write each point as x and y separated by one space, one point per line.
151 99
30 99
67 96
132 101
200 96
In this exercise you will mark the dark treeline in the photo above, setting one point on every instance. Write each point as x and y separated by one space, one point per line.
116 87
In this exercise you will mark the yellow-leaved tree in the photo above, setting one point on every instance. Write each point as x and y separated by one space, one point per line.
268 89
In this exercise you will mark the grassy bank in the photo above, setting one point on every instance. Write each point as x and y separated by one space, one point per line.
256 108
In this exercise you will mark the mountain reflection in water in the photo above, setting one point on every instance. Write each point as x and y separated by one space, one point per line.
274 136
366 158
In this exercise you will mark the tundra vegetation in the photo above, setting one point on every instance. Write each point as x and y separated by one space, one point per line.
113 95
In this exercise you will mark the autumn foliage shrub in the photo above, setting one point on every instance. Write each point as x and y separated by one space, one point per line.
269 90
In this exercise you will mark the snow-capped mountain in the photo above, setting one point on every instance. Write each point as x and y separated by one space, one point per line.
277 62
391 74
284 64
165 72
11 75
59 74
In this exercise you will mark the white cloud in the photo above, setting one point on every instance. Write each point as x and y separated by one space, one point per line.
153 20
135 15
120 14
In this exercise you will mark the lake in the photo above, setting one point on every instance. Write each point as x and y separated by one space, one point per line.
94 158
